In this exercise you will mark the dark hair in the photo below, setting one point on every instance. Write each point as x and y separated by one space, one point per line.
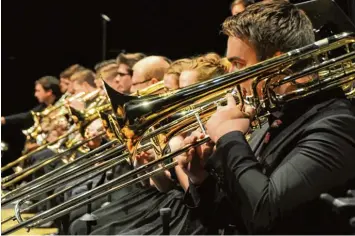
102 64
71 70
270 27
84 76
129 59
50 83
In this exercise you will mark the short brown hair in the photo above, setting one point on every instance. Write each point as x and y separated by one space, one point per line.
50 83
108 72
271 26
84 76
129 59
103 64
68 72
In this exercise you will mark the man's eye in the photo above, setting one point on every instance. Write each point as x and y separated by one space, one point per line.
237 65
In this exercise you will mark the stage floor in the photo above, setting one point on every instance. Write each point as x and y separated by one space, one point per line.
5 213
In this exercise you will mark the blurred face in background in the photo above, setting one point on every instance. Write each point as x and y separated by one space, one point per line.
171 81
42 95
70 88
78 88
123 79
99 83
140 81
188 77
93 130
64 84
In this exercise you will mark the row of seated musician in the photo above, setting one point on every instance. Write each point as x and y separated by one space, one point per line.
272 188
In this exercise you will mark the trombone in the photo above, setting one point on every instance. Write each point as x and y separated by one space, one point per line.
50 177
135 117
85 118
36 128
24 157
50 181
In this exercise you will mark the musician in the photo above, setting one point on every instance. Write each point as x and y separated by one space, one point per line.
65 83
191 71
47 92
148 71
107 71
125 64
273 185
82 81
131 211
202 68
205 67
152 65
171 77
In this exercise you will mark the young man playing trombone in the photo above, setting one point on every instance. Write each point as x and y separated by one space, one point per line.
272 184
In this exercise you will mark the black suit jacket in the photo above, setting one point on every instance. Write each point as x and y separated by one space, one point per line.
24 119
313 153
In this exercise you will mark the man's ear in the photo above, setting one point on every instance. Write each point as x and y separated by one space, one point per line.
49 92
154 80
86 85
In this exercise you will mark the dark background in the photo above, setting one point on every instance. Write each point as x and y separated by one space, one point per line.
44 37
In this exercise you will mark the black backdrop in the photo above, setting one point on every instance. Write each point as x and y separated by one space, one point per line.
43 37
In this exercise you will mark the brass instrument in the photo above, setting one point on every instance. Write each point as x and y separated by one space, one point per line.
14 178
136 116
56 178
152 89
52 178
72 144
4 146
90 96
36 128
24 157
84 118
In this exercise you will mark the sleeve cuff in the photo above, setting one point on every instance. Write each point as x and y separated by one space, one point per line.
231 136
192 196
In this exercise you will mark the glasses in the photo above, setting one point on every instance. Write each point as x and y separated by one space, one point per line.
142 82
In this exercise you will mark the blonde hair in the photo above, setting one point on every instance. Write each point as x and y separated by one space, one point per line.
178 66
107 72
84 76
209 65
68 72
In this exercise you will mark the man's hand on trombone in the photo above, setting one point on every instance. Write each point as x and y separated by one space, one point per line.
226 119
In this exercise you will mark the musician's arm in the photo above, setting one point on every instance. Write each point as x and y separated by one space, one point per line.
321 160
162 181
24 118
210 204
18 118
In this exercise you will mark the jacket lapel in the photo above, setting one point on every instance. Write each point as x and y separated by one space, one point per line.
257 138
288 135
